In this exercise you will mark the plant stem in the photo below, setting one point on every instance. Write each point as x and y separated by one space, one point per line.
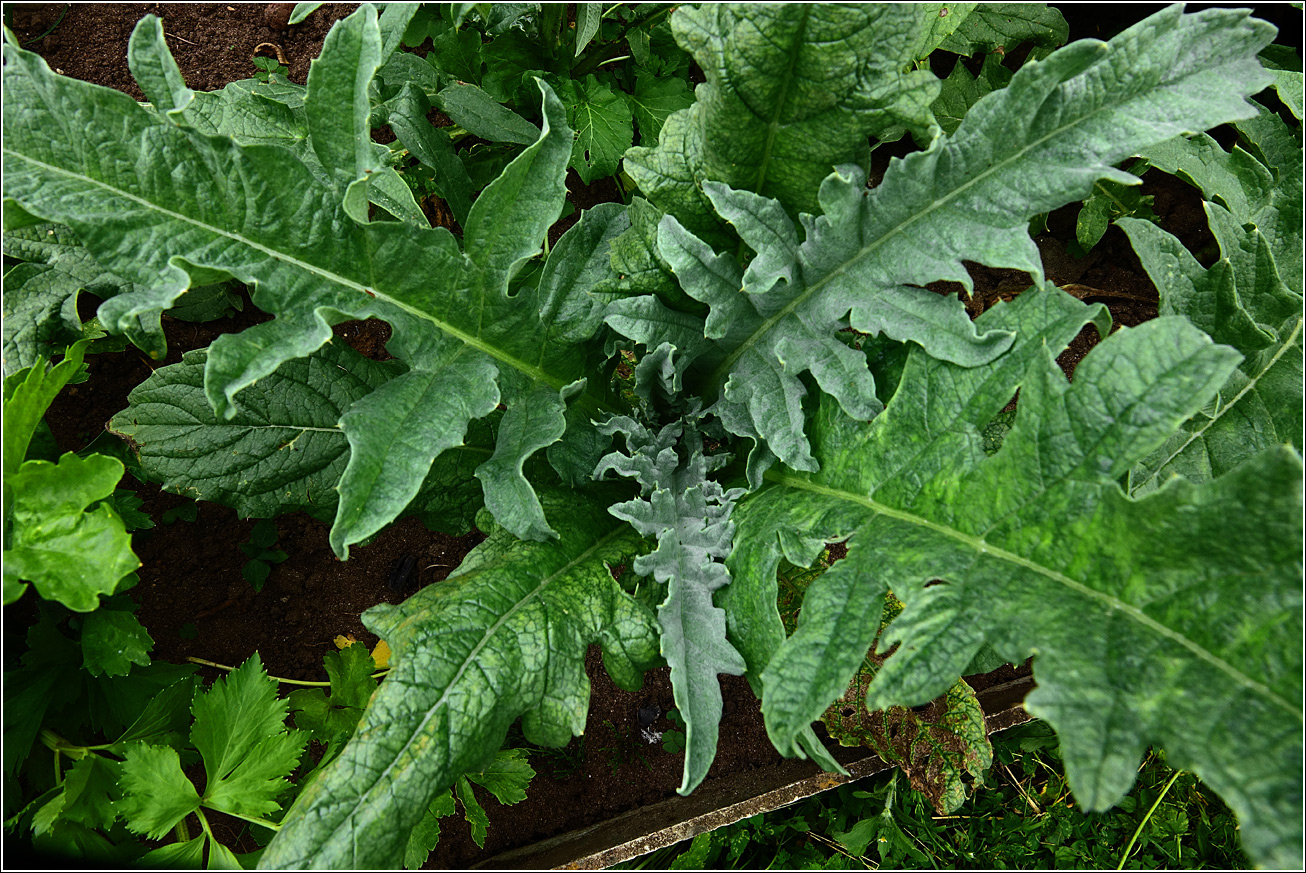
57 22
377 675
263 823
1129 848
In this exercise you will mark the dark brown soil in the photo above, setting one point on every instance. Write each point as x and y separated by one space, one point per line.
193 599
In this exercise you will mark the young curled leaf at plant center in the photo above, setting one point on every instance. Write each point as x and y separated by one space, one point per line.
689 515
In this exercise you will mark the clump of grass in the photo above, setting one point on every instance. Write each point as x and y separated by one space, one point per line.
1024 816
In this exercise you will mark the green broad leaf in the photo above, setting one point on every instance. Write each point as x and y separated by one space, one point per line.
332 718
640 49
285 449
637 265
689 515
40 315
1288 84
393 23
113 640
222 858
240 733
961 90
427 832
49 679
939 20
834 637
1063 121
792 91
1243 301
186 855
154 69
1004 26
252 112
507 777
588 18
302 11
432 146
479 113
1259 185
603 124
1109 201
115 702
1039 552
387 189
505 636
337 107
68 554
156 794
40 302
27 395
262 775
469 345
510 59
477 821
653 100
457 54
404 69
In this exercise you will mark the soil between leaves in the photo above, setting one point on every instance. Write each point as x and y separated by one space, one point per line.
193 599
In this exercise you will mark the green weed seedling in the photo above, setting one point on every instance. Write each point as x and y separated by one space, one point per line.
261 554
269 67
673 741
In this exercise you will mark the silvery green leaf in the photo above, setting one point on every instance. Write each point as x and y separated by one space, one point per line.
689 515
992 26
1245 299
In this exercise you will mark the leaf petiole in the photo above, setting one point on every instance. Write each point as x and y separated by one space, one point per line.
377 675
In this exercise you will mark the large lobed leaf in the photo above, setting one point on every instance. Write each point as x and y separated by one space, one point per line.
165 207
1167 620
1250 299
505 636
1028 148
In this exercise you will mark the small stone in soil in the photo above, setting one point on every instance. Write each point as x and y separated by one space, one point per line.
648 713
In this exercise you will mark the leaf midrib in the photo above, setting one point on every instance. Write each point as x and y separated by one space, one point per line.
979 545
773 125
475 342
